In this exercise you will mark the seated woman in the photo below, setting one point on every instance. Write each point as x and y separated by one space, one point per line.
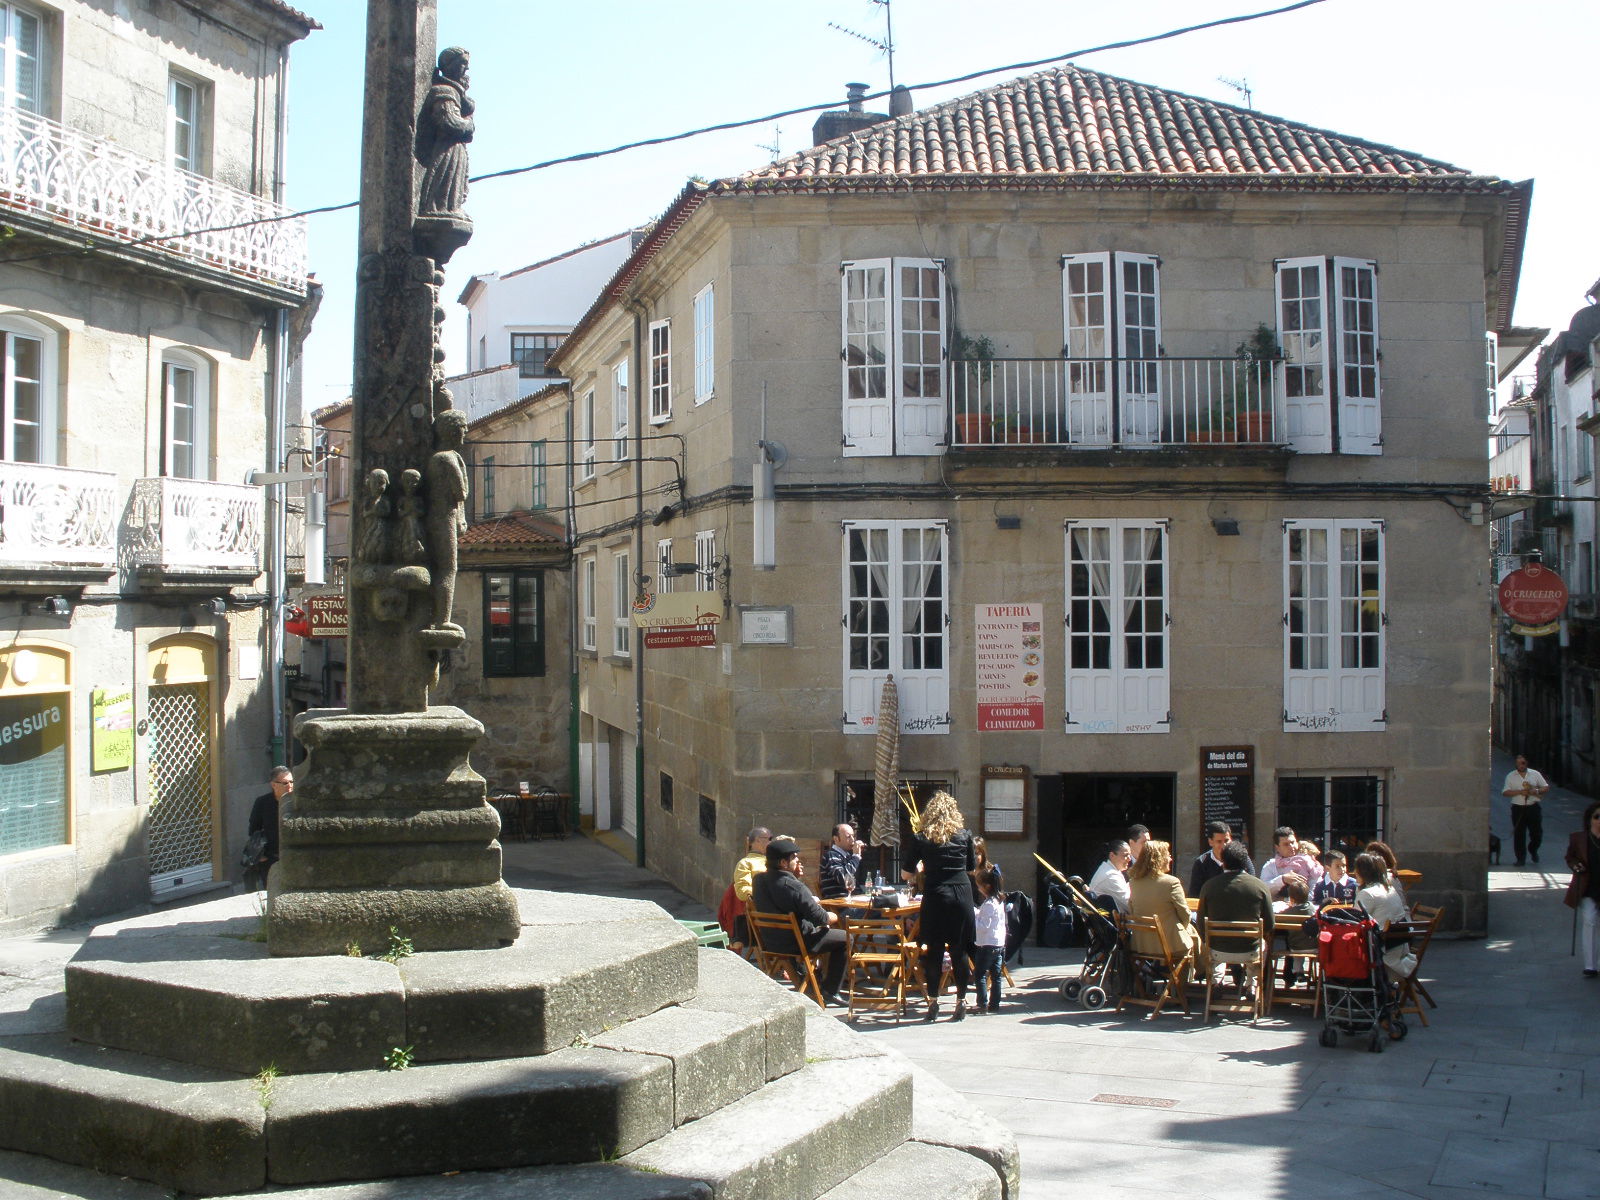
1380 900
1390 865
1153 891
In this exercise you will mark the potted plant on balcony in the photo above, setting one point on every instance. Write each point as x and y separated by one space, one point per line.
1213 423
974 420
1257 355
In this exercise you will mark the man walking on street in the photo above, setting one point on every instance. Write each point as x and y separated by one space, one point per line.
1525 787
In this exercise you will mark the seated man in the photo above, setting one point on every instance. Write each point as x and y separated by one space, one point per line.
1209 865
1236 895
840 863
1288 860
1109 880
778 890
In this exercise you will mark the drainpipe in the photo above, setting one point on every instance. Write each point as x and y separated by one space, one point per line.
574 736
276 498
636 374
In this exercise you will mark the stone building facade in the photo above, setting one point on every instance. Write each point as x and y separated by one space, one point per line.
145 379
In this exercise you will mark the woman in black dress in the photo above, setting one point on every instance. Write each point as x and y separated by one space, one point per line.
945 848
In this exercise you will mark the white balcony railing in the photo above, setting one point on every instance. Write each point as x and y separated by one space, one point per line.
96 185
57 516
1088 403
1511 467
191 525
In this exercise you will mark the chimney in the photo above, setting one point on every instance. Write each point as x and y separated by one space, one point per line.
838 122
899 100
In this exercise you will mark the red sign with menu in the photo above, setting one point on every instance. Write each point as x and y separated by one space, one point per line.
1533 595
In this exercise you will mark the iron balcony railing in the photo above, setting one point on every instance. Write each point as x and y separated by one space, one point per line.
96 185
195 526
57 516
1100 402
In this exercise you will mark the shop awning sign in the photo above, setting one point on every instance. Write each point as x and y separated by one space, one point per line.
1534 598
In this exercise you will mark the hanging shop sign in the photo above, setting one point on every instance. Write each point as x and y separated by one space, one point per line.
111 737
1009 642
672 619
327 615
1534 598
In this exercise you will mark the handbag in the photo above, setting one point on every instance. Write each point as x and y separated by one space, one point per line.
254 848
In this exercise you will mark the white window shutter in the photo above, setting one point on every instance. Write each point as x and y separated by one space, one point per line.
1086 308
1340 687
1301 300
866 360
918 373
899 567
1136 288
1091 688
1355 308
1117 675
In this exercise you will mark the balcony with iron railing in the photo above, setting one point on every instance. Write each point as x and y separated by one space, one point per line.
95 186
1099 403
56 521
192 529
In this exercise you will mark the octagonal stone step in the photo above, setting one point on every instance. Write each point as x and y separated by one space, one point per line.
193 986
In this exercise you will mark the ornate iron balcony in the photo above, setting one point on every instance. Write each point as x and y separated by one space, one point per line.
194 527
57 517
95 185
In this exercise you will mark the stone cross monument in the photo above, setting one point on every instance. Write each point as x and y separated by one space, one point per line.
390 828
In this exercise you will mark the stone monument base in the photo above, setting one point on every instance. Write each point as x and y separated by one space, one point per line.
389 834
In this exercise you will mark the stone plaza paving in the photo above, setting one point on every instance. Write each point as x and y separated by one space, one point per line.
1489 1099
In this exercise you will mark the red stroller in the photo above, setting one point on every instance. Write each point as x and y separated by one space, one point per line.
1357 998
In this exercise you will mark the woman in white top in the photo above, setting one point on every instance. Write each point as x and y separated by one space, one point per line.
1380 901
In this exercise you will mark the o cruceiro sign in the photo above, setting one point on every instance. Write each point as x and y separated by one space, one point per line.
1534 598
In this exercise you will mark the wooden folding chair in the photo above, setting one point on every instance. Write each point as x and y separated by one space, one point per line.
1424 921
1307 993
795 966
1157 979
882 966
1256 960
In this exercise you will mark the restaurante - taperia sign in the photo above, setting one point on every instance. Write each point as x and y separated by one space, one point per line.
1534 597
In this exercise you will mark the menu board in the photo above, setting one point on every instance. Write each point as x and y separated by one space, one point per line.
1227 788
1005 801
1009 641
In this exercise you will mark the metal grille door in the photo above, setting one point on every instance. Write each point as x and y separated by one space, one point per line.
180 787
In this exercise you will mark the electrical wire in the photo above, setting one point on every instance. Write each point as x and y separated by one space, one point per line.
723 127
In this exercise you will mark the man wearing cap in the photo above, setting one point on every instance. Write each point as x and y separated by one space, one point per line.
778 889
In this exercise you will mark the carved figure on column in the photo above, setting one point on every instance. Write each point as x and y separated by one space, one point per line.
444 127
447 509
413 547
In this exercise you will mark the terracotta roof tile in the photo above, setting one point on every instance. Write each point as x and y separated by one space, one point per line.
1072 121
514 531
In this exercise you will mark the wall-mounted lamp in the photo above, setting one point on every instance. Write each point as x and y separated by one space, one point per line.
1225 526
217 606
54 606
663 514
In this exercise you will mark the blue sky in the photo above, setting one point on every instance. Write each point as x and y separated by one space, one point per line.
1498 89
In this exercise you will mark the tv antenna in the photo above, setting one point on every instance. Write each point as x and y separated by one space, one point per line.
1242 86
776 148
885 44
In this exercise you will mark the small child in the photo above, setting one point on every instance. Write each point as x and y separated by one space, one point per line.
991 947
1292 916
1336 885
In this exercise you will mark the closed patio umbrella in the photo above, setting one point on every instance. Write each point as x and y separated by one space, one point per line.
886 768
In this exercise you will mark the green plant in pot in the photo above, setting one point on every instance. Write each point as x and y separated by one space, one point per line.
974 418
1257 355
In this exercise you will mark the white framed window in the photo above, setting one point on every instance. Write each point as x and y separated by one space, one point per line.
1333 626
531 352
28 392
896 620
1118 651
185 415
664 577
619 412
1491 372
621 605
586 604
586 436
25 56
705 560
660 372
1328 327
185 123
1111 311
705 346
539 475
893 331
487 504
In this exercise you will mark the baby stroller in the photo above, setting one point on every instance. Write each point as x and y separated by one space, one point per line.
1104 973
1357 998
